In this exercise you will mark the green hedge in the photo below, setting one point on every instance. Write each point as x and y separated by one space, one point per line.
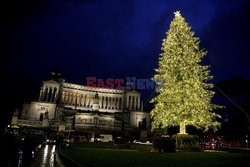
187 142
179 142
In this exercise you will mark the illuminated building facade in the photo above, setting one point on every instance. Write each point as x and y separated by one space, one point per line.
66 106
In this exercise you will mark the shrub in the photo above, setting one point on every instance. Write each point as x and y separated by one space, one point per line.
165 144
187 142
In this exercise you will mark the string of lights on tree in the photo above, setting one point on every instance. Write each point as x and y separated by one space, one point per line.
184 98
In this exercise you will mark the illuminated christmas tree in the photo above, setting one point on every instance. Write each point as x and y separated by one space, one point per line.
184 98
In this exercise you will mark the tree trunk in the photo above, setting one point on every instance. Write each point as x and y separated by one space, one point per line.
182 128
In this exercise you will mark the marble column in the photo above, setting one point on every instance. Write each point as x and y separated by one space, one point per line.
91 100
127 102
100 102
66 101
87 100
43 93
138 104
63 97
112 102
40 95
74 99
84 100
56 94
134 106
70 98
130 103
80 100
107 102
104 102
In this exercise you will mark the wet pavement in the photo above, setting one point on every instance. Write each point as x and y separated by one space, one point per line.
44 157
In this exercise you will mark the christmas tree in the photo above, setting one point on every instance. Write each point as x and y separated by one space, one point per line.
184 96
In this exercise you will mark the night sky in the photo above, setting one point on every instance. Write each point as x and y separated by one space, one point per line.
111 39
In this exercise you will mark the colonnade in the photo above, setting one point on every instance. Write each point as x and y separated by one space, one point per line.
48 94
105 102
133 102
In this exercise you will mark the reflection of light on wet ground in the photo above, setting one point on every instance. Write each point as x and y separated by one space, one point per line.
53 148
44 157
20 158
45 153
52 154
